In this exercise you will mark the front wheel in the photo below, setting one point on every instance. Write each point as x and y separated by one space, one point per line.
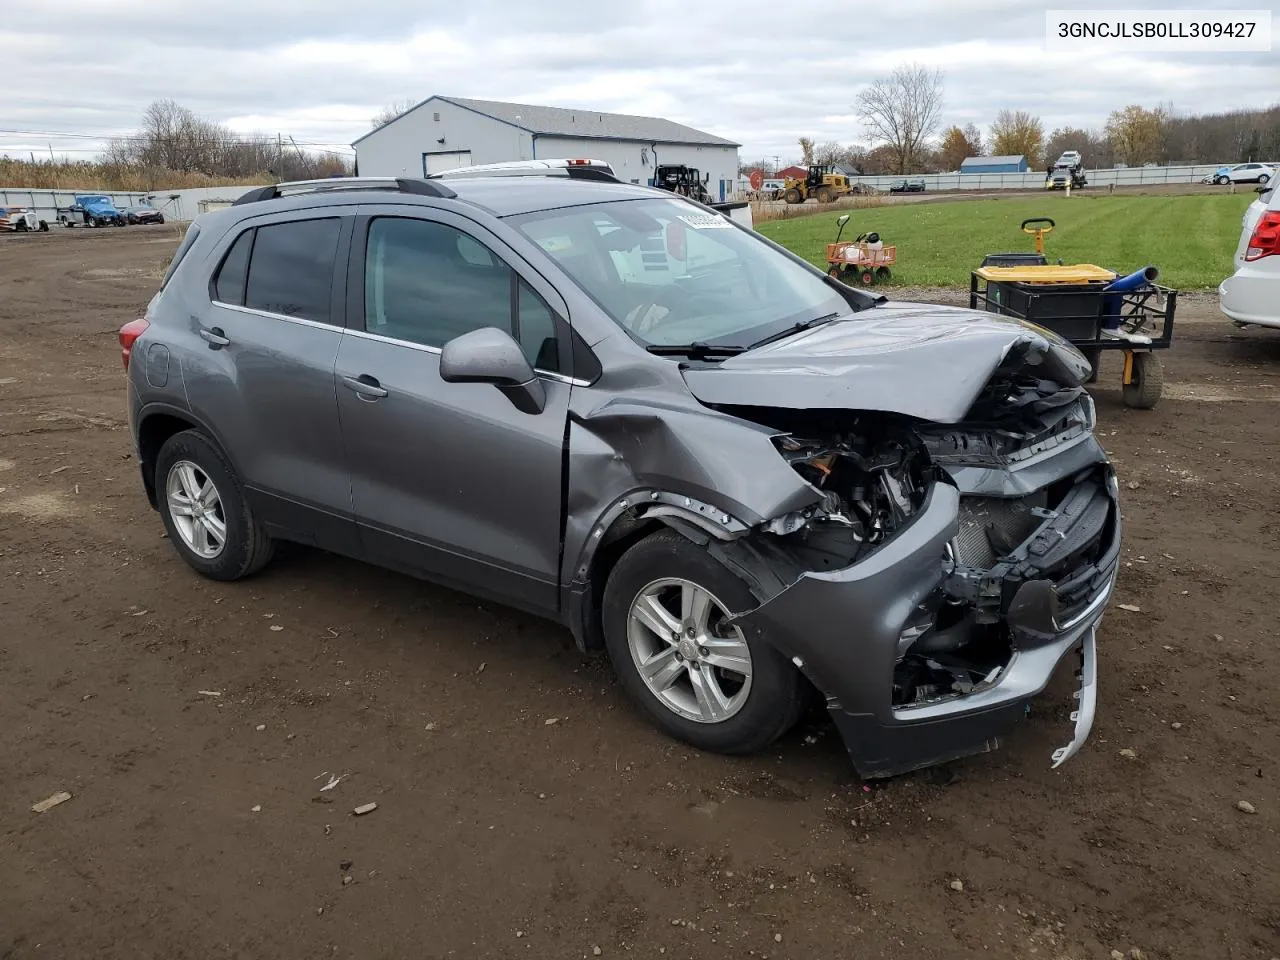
700 678
1264 179
1219 180
793 196
204 510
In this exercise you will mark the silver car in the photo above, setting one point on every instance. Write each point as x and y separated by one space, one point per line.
618 409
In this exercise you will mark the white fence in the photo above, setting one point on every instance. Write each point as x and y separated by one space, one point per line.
1034 180
176 205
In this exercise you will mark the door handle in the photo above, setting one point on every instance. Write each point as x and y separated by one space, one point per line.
365 386
215 337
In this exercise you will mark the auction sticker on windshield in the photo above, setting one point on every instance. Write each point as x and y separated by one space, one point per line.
707 222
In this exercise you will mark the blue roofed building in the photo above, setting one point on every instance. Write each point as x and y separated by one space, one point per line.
1013 163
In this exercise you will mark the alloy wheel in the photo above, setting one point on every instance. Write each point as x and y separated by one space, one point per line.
196 509
689 656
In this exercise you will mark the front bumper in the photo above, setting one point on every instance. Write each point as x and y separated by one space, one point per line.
844 629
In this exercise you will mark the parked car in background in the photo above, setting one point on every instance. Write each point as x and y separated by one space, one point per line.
1251 295
907 186
143 214
773 189
91 210
21 220
1241 173
742 479
1069 158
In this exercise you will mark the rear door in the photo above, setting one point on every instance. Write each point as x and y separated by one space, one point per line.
264 373
449 479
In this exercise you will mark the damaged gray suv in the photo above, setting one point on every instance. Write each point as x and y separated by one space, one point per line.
619 409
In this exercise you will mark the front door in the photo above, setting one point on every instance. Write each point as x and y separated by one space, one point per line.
449 479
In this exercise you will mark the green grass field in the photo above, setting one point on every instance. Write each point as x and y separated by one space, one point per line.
1190 238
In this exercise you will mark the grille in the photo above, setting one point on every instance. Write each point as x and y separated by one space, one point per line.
988 520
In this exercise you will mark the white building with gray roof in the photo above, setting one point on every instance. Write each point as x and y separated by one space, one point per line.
443 133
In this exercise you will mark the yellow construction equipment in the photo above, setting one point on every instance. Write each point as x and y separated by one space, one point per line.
822 183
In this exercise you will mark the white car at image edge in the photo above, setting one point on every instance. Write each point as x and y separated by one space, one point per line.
1252 294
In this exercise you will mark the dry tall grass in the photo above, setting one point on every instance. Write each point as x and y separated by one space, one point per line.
763 211
94 175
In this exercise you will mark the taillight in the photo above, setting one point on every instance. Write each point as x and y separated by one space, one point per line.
1265 241
130 332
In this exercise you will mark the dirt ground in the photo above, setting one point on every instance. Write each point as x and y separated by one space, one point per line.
198 826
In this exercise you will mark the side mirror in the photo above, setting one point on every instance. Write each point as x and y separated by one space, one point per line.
490 355
842 219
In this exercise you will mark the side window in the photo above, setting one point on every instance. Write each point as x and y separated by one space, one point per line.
232 276
537 330
427 283
291 270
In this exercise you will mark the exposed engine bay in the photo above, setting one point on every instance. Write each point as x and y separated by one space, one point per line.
874 477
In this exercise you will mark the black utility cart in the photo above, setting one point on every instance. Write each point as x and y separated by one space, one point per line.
1094 308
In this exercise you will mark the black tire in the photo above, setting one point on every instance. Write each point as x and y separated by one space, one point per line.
883 274
793 196
247 548
1263 180
1219 180
825 195
1148 382
774 701
160 219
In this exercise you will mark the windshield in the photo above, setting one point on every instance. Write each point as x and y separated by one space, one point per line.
670 273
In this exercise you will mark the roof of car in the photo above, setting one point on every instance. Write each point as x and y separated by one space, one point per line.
500 196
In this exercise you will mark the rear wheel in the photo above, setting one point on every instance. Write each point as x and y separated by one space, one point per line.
204 510
700 678
883 275
825 195
1147 384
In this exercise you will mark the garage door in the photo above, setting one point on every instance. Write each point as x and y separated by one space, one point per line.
440 162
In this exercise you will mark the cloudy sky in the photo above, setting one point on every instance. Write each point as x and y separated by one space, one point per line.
78 71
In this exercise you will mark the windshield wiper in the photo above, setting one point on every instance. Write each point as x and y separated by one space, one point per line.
794 328
698 350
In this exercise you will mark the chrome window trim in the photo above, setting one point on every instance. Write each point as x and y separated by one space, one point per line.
377 337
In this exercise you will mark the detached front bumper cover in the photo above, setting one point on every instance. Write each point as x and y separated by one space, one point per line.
1086 697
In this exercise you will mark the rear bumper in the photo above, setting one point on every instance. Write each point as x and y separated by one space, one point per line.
845 630
1252 295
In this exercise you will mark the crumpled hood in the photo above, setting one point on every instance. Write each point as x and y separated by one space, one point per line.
920 360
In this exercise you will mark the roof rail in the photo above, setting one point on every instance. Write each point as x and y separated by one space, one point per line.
577 169
290 188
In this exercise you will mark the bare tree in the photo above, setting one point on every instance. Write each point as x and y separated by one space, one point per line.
392 110
974 136
902 111
806 151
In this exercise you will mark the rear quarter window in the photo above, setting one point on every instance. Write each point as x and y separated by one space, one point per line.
193 232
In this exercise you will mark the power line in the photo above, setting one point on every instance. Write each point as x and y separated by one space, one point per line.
250 139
